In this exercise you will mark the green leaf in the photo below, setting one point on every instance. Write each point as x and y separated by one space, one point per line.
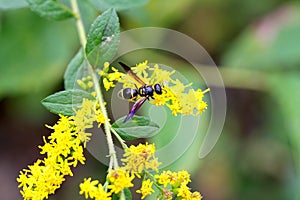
287 94
12 4
137 127
118 4
33 62
103 38
64 102
127 194
50 9
71 73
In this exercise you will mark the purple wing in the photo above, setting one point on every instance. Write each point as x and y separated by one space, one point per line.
134 108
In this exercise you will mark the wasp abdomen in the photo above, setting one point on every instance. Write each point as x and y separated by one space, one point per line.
128 93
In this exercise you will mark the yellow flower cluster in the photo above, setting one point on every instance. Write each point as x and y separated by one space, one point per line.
119 179
93 189
178 182
146 188
176 96
139 158
63 149
86 83
137 163
109 78
136 160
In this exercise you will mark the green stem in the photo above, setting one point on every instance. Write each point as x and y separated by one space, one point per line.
107 126
79 23
122 142
154 181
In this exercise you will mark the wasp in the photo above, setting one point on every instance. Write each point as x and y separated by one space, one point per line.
146 91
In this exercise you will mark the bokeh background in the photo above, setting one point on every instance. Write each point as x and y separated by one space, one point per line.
256 46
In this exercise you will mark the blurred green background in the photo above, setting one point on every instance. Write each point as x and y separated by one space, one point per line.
255 44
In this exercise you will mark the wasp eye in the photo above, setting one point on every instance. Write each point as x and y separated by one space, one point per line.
157 89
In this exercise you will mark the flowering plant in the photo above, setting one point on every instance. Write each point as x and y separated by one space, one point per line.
81 105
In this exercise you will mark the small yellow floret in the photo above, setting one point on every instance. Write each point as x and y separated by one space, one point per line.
93 189
139 158
146 188
119 179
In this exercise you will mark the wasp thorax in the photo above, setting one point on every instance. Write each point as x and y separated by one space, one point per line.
146 90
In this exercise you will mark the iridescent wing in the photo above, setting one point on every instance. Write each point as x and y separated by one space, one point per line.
128 71
134 108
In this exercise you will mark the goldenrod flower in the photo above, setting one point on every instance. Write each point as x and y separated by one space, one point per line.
93 189
180 177
146 188
196 196
167 194
108 84
184 192
173 178
109 78
139 158
119 179
85 83
164 178
178 182
175 95
63 149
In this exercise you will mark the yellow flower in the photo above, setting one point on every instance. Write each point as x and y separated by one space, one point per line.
100 118
159 100
146 188
109 78
183 176
63 149
176 179
196 196
93 189
139 158
115 76
175 95
82 84
119 179
90 84
141 69
163 178
159 75
85 83
167 194
184 192
108 84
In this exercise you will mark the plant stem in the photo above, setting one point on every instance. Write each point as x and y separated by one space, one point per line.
154 181
79 24
122 142
107 126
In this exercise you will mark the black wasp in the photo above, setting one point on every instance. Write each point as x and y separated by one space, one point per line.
145 91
